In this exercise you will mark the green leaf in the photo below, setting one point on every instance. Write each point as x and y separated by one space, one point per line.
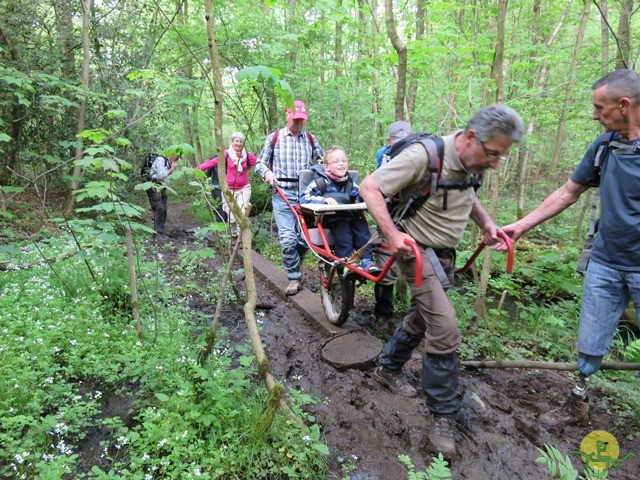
4 137
96 135
322 448
122 142
117 113
162 397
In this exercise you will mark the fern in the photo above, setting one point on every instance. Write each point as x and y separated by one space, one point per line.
557 464
437 470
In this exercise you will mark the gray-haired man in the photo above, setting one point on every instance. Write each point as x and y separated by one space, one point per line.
481 145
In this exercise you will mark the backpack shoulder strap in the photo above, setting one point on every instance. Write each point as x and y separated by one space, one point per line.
274 138
602 151
435 152
311 141
321 182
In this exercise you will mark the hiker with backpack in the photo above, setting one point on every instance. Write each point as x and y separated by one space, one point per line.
435 219
397 131
285 153
332 185
383 290
156 169
238 163
612 164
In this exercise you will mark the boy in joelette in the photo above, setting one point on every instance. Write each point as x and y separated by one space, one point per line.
332 185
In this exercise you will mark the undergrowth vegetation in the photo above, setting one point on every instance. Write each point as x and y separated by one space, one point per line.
70 351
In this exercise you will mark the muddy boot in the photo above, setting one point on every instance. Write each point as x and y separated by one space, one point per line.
394 381
574 411
294 287
441 435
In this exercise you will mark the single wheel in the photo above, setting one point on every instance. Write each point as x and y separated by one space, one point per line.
336 293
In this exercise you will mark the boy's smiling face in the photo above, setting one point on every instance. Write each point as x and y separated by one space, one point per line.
336 163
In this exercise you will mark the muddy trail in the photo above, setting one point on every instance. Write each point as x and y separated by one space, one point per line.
366 427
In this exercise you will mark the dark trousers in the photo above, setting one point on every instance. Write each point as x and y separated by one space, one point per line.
158 201
216 193
349 233
384 299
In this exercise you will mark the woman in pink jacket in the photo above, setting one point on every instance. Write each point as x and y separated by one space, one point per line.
238 164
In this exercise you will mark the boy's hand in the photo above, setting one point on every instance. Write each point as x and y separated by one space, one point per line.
330 201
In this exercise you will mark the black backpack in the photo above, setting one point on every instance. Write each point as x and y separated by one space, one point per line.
434 146
146 165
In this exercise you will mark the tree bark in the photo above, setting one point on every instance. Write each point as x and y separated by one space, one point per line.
623 51
557 150
86 59
544 365
421 25
11 162
401 50
531 127
264 367
494 181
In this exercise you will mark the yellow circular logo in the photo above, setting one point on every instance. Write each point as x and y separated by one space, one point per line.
600 449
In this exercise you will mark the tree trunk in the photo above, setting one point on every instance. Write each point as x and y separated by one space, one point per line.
413 84
623 51
338 53
557 150
86 58
15 121
264 368
531 128
401 50
604 35
497 76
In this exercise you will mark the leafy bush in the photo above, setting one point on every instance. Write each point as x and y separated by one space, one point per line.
65 347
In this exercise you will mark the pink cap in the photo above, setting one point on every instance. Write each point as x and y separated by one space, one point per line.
300 111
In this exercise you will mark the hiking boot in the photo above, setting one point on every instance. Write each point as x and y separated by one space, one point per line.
394 381
294 287
441 435
574 411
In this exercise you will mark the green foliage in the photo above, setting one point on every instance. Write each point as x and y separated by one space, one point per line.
63 353
437 470
559 466
271 77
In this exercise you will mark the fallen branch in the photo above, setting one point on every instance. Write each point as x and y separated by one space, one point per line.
544 365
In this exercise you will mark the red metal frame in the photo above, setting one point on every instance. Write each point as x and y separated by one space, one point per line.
324 250
508 243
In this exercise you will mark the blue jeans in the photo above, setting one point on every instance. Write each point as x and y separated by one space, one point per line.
607 292
293 247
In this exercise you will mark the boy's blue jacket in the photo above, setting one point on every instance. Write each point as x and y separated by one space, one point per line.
313 193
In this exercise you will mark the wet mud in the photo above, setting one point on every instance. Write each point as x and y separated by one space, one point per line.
366 427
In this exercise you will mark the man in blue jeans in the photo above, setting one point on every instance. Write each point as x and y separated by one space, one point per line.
613 273
280 162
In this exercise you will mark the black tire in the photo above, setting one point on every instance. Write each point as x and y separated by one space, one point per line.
337 295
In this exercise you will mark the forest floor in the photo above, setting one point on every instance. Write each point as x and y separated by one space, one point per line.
366 427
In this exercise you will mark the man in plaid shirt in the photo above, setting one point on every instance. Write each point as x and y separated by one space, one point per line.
280 161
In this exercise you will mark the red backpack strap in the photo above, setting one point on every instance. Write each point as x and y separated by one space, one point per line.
310 138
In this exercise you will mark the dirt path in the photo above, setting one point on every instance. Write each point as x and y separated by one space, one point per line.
366 427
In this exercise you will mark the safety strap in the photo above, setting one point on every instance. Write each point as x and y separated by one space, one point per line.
358 253
437 267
